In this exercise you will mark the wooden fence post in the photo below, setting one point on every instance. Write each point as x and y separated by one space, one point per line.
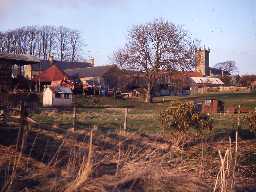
22 127
238 118
125 118
74 117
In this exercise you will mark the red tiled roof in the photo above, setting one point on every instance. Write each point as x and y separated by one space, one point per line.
53 73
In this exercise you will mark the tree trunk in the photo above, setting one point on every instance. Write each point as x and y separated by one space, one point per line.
149 94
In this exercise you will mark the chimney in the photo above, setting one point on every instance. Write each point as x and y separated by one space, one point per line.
50 58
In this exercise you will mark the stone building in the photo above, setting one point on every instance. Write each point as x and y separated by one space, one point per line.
57 96
202 61
202 57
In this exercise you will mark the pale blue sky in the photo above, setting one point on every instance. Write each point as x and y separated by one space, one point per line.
228 27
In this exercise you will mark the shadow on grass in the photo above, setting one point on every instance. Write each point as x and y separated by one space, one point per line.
45 147
19 184
225 133
245 189
38 146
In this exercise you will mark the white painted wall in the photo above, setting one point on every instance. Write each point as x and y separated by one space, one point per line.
49 99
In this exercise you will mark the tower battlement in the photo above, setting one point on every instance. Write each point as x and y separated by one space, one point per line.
202 61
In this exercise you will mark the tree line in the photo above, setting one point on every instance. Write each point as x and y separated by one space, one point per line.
63 43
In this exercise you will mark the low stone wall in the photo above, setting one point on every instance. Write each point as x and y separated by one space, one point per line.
234 89
220 89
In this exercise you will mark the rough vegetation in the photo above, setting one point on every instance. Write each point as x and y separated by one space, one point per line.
184 116
251 118
93 158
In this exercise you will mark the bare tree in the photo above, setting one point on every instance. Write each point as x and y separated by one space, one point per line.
75 44
64 43
154 48
2 41
62 37
227 66
52 40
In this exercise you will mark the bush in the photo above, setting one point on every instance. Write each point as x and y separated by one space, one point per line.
251 118
184 116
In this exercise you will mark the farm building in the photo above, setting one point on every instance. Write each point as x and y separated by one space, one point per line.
176 83
11 68
186 83
253 86
201 85
57 96
104 77
32 71
13 90
51 75
212 106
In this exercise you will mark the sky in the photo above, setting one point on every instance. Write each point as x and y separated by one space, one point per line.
227 27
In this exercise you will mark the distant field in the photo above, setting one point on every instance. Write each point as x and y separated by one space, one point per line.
108 113
247 100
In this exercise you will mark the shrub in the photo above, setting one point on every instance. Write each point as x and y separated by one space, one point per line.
184 116
251 118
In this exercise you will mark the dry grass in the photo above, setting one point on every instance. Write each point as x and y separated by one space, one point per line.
84 171
14 166
85 160
226 176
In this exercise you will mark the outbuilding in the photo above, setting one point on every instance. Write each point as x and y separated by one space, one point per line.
202 85
253 85
210 105
57 96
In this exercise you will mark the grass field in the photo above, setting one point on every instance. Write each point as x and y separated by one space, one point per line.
108 114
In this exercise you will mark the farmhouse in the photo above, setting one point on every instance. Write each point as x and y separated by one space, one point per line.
57 96
105 77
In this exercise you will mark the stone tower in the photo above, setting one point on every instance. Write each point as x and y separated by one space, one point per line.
202 61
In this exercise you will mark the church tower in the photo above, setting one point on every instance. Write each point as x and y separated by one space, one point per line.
202 61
